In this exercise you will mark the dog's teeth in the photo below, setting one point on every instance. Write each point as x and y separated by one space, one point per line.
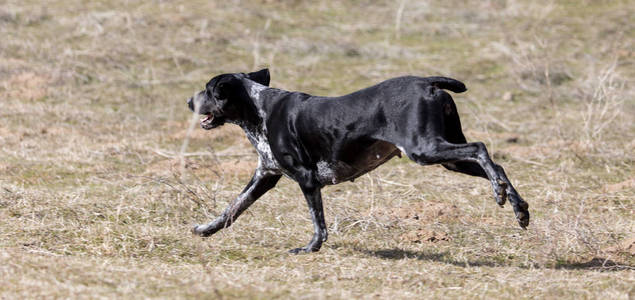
207 119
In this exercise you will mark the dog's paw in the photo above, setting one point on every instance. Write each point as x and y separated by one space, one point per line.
299 250
521 209
304 250
501 193
203 230
523 219
196 229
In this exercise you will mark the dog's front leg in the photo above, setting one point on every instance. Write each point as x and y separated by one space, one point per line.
259 184
313 197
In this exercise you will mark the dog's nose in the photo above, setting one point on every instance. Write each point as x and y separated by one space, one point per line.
190 104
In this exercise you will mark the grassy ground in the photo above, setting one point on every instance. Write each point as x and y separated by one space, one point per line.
97 198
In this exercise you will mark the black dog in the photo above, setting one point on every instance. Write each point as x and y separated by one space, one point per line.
318 141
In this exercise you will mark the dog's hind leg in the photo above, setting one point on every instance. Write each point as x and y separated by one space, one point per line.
453 133
259 184
503 188
469 168
441 151
455 136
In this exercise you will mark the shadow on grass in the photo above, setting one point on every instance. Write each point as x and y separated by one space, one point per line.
595 264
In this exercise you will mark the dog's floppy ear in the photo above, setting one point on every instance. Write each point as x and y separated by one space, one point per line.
221 90
261 76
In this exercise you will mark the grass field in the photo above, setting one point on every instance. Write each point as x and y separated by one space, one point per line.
100 180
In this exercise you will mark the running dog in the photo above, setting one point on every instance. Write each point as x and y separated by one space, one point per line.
319 141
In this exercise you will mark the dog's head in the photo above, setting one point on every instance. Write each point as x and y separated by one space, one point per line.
225 99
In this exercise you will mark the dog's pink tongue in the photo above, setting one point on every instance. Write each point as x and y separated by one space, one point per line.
207 120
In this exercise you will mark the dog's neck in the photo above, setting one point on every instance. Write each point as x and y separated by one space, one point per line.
256 123
253 90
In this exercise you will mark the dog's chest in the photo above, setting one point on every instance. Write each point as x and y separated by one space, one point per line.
267 161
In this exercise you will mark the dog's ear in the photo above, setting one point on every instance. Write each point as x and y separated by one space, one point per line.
222 90
261 76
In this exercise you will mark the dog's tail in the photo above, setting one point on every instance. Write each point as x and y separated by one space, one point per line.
447 83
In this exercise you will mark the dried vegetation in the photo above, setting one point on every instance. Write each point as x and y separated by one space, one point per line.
97 196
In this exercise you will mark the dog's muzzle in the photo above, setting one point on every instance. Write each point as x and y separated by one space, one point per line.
209 121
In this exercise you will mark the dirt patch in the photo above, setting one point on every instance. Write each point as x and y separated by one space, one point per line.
422 215
26 86
425 236
625 246
617 187
5 133
427 213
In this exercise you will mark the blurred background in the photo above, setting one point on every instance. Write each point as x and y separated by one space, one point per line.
101 180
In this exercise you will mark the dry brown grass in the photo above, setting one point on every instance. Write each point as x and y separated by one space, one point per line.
97 198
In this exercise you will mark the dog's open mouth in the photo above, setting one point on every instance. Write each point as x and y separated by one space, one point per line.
208 122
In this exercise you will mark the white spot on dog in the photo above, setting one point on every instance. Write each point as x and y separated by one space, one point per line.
266 159
325 172
401 149
255 89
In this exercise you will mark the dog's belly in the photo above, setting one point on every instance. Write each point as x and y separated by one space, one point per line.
357 165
